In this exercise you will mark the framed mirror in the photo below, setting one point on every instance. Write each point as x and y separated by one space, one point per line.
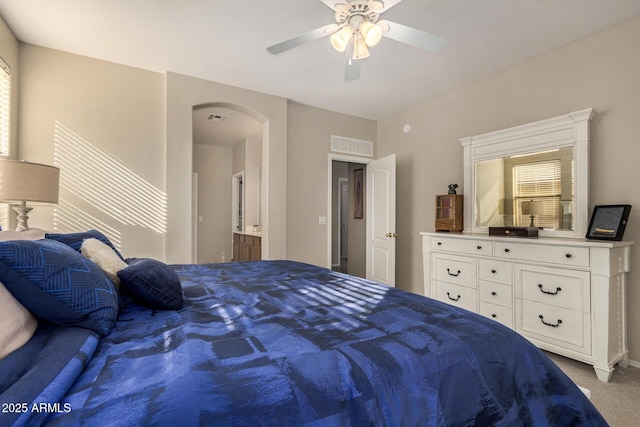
535 174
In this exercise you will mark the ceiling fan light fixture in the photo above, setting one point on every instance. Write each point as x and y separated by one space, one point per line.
340 39
371 33
360 50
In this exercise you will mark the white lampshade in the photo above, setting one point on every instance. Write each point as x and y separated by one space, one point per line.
371 33
340 39
23 182
360 50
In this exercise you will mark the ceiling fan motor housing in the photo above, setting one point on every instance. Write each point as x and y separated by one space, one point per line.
361 10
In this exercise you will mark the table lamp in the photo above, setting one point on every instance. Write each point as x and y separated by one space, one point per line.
532 208
23 182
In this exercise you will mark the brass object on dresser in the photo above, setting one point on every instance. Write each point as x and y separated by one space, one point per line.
246 247
449 212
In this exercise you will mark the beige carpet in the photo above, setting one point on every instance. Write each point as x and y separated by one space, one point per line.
618 400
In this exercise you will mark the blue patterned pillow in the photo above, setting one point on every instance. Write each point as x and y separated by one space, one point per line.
75 240
58 284
152 283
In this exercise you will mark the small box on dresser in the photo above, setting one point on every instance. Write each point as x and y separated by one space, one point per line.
449 210
565 295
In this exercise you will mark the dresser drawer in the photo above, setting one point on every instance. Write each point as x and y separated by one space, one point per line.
495 293
554 286
563 255
495 271
454 269
558 326
460 296
465 246
498 313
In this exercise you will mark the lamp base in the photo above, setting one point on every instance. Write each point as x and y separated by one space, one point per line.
23 216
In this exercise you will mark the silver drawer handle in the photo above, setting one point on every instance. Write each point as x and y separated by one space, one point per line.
550 324
453 299
558 289
453 274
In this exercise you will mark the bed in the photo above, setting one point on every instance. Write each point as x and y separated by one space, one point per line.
278 343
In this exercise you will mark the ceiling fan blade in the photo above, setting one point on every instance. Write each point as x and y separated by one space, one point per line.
412 37
352 66
388 4
332 3
310 36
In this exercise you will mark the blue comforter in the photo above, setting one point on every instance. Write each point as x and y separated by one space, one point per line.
289 344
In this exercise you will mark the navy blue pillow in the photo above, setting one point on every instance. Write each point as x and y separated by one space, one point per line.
56 283
151 283
75 240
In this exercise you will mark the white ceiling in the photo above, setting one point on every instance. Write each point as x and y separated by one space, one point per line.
226 40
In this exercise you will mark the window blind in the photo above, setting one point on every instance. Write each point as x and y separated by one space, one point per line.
5 107
5 121
539 181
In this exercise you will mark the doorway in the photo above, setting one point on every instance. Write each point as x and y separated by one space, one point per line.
348 229
227 162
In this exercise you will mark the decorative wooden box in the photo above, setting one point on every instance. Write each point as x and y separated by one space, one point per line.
449 212
514 231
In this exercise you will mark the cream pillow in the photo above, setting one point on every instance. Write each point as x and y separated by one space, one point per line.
17 324
104 257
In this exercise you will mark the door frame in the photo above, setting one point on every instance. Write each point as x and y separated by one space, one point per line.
339 158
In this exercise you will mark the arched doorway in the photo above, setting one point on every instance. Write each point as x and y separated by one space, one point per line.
227 143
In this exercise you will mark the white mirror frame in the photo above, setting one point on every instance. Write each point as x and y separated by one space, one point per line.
570 130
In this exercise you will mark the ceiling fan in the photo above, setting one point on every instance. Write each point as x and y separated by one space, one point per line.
358 27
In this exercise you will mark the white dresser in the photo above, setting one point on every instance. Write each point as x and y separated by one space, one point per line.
567 296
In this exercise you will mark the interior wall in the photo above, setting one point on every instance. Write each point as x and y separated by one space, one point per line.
309 143
116 114
213 163
253 160
599 71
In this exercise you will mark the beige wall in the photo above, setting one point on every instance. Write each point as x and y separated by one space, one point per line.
213 163
309 134
115 112
600 71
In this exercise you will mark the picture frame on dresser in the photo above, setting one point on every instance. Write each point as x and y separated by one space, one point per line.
608 222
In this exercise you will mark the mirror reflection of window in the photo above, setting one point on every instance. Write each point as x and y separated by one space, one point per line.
510 190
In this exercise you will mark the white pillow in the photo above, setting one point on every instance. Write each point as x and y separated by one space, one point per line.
106 258
17 324
29 234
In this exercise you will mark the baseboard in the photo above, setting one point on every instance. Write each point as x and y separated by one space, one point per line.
634 363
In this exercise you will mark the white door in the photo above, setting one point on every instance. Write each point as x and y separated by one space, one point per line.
381 220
